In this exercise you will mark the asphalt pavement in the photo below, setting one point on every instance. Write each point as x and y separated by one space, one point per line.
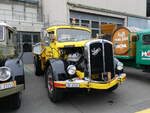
130 97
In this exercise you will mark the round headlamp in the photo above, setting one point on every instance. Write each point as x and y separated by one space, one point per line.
71 69
5 73
120 66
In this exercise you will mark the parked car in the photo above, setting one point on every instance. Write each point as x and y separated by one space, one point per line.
12 80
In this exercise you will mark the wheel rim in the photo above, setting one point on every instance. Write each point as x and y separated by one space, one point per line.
50 82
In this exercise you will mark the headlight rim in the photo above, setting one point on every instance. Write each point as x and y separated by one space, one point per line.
69 68
119 66
9 76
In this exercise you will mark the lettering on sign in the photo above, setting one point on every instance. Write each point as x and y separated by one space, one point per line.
121 40
121 37
121 46
147 54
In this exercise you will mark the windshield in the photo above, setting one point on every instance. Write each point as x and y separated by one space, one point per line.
70 35
146 39
1 33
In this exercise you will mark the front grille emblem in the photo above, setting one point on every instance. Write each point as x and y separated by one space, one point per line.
95 51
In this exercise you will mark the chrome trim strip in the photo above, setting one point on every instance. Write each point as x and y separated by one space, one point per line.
103 56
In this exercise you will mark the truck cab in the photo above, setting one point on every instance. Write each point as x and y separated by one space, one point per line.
143 49
70 59
11 67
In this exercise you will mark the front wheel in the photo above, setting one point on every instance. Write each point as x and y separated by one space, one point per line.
15 101
37 66
54 94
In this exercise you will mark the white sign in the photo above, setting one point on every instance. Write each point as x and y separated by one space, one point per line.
147 53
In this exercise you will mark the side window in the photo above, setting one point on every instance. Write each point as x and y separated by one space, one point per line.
51 35
1 33
10 37
146 39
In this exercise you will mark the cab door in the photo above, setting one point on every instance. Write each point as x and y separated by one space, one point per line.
143 50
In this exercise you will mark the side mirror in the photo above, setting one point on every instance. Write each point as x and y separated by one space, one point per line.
19 58
37 49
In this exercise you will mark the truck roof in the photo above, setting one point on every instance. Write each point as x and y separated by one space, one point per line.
66 26
7 25
147 31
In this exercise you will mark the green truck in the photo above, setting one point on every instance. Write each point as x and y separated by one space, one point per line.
132 46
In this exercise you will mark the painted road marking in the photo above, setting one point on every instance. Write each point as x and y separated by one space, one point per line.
144 111
27 70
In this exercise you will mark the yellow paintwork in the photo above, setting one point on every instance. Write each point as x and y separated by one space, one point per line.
52 51
144 111
80 74
54 28
93 85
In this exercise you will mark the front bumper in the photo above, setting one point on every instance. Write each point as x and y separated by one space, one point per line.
90 84
11 91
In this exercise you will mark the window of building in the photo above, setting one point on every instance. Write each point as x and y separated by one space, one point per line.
36 38
103 22
85 23
119 25
95 24
74 21
95 28
95 33
148 8
26 38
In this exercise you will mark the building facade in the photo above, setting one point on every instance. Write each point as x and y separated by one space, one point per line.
93 13
30 17
25 16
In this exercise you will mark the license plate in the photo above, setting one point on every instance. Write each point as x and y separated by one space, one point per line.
72 85
8 85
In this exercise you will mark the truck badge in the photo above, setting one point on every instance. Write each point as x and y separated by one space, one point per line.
95 51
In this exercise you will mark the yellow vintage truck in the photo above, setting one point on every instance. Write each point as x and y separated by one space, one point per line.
70 59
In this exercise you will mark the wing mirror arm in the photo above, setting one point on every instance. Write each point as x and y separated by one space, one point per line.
19 57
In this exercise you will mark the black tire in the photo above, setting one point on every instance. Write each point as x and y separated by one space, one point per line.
15 101
112 88
55 94
37 66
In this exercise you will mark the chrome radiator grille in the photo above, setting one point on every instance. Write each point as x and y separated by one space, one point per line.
100 58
